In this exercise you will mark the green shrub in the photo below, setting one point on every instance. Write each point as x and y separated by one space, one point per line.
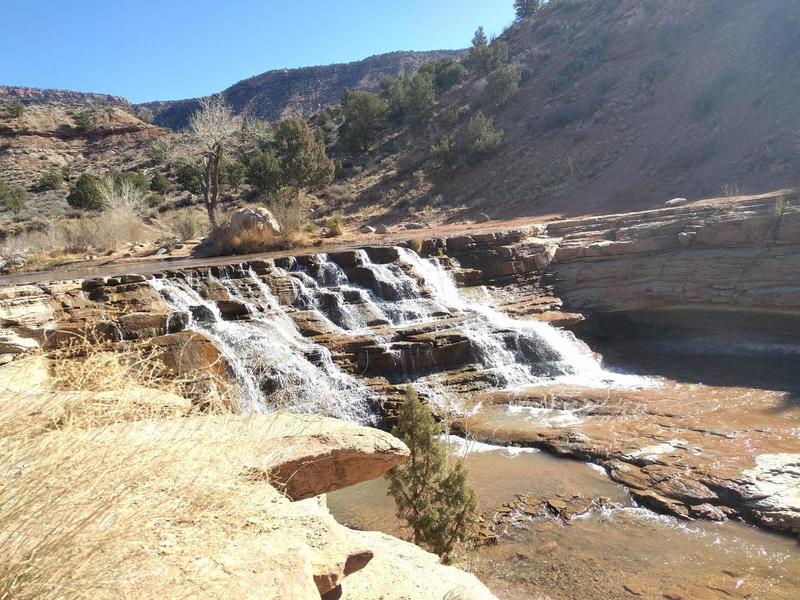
159 183
190 177
364 120
410 99
84 121
232 173
431 495
264 171
446 73
52 180
483 58
467 146
501 85
13 199
525 8
15 109
154 200
86 194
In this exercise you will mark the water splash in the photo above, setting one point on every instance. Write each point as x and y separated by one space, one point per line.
274 365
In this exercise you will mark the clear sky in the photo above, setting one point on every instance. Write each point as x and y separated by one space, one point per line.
171 49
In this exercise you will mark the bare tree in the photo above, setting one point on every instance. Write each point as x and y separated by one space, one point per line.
213 128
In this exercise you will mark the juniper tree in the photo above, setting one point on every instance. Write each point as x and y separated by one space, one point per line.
435 501
12 198
364 120
303 163
501 85
525 8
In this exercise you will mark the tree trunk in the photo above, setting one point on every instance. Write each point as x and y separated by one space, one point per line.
208 199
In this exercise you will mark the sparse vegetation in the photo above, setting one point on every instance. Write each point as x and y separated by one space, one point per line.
187 224
15 109
84 121
335 225
469 145
432 496
52 180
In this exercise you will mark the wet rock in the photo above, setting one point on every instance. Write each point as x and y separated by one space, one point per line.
233 309
137 326
189 352
202 314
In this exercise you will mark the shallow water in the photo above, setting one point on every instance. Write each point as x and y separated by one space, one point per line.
597 555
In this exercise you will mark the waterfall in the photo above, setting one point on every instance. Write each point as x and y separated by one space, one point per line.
274 365
518 352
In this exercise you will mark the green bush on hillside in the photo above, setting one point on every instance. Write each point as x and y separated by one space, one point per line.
86 194
12 198
190 177
84 121
364 120
159 183
52 180
501 85
467 146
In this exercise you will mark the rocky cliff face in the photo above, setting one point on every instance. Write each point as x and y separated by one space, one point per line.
31 96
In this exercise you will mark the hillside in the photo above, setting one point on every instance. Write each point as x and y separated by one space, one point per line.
276 93
623 104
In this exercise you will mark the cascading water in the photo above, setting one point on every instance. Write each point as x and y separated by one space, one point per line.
275 367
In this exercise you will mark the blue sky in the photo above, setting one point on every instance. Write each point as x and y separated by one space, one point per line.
170 49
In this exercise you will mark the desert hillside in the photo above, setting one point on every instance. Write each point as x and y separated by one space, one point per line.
272 94
626 104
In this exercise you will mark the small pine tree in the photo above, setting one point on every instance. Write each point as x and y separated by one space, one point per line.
303 161
84 121
364 120
436 502
52 180
501 85
12 199
86 194
264 171
159 183
525 8
479 39
189 177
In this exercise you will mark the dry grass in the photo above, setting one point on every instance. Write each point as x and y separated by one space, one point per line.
189 224
292 219
116 491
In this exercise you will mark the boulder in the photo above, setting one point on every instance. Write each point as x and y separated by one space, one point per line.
258 217
189 352
416 225
676 202
367 229
383 229
403 571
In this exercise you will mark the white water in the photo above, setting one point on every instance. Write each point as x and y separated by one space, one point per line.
569 360
276 367
269 358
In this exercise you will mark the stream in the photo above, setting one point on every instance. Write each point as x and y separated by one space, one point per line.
521 383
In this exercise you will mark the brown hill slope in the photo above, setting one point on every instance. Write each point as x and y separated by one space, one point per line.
305 90
628 103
